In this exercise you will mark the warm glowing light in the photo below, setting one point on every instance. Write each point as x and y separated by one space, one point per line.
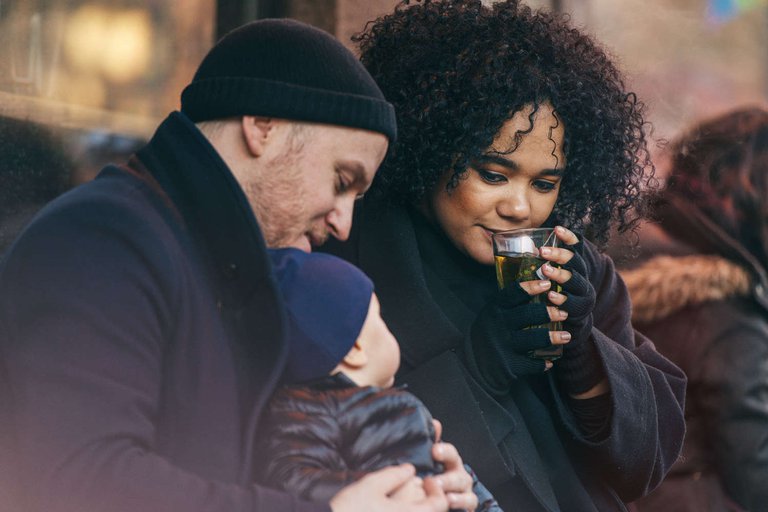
113 43
127 50
84 38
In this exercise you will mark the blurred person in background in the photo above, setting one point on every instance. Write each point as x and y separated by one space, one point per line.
700 292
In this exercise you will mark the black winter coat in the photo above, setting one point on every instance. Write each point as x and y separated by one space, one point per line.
646 424
141 334
323 435
706 308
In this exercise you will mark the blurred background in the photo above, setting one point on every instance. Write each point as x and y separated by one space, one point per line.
85 82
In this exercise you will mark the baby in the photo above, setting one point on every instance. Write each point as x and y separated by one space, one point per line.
337 417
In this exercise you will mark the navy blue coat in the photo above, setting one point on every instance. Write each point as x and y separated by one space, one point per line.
140 336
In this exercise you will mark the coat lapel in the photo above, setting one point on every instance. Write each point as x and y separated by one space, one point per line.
399 276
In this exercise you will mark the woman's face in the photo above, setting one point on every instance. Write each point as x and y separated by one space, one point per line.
504 190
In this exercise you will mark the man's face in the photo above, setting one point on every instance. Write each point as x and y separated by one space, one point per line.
307 183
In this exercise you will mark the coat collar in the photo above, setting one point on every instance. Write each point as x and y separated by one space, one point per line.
666 284
213 207
400 283
215 213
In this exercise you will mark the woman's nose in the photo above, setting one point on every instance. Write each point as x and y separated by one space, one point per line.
514 205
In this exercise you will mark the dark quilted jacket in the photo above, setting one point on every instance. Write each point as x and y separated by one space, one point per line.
321 436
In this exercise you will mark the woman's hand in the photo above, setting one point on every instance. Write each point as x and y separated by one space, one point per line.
578 295
579 368
506 331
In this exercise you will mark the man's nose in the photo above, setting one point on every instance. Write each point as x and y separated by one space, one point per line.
339 219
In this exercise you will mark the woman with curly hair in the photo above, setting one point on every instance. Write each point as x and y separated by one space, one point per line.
509 118
702 295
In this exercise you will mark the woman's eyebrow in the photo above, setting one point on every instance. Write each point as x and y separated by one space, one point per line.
512 165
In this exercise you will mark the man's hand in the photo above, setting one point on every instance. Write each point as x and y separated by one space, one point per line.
455 480
375 493
410 492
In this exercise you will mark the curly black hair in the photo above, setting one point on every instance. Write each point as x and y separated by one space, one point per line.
456 71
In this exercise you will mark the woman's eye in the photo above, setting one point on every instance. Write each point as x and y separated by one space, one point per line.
544 186
491 177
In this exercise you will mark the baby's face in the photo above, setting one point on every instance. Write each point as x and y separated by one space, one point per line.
380 346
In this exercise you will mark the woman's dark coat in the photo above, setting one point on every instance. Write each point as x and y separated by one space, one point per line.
706 308
646 428
140 336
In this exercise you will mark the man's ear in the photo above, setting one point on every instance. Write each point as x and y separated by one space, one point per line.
356 358
256 132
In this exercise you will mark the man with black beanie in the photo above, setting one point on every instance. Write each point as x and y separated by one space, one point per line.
141 331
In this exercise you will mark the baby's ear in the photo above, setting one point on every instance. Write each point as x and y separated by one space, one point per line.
356 358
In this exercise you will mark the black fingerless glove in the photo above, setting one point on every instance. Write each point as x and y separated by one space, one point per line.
579 369
498 344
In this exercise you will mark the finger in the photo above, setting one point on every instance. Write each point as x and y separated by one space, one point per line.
464 501
513 295
388 480
411 491
531 339
436 499
455 480
558 299
559 337
448 455
557 274
576 285
527 315
566 235
438 429
556 314
536 287
557 255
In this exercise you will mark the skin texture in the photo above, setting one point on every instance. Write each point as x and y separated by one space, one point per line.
375 357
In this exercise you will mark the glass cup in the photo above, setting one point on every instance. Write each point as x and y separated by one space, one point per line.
517 259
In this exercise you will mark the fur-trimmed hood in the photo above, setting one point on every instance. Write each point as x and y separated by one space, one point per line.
666 284
690 260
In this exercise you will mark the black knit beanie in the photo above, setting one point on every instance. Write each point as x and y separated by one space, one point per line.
289 70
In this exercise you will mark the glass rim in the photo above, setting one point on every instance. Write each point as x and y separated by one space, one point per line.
523 231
